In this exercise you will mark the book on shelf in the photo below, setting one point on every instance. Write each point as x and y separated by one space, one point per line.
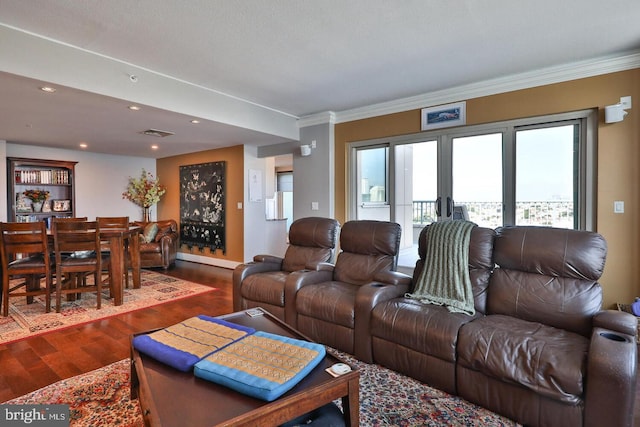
42 176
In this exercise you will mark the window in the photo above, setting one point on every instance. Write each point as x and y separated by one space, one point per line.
536 171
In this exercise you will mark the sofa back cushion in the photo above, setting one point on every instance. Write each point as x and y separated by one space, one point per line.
480 262
548 275
366 248
311 240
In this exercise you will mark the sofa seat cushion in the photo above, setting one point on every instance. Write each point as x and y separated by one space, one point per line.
426 328
332 302
266 287
150 247
546 360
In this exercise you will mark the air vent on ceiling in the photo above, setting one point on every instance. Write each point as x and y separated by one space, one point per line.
156 132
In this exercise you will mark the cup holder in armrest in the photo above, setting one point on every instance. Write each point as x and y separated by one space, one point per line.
377 285
613 337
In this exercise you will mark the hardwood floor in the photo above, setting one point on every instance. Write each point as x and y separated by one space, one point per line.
33 363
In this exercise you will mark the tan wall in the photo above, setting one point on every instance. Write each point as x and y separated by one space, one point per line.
168 171
618 158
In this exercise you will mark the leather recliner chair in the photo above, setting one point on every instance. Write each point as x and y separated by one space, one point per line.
163 249
334 303
420 340
261 283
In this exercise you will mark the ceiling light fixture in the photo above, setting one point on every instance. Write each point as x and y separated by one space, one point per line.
156 132
134 107
154 147
83 145
195 121
47 89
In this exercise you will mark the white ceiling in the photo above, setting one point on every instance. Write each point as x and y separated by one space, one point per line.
270 62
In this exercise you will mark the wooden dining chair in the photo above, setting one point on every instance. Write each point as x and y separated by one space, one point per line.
25 256
118 222
78 254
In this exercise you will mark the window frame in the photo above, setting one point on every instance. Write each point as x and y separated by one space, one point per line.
587 120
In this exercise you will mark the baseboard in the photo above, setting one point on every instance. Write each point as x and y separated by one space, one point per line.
208 260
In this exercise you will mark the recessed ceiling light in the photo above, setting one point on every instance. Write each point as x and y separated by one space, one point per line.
47 89
154 147
83 145
195 121
134 108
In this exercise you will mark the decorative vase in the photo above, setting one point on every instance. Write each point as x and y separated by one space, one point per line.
146 214
36 206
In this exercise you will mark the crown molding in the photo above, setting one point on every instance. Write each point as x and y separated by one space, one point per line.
545 76
325 117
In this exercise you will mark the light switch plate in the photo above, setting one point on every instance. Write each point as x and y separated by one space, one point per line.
618 206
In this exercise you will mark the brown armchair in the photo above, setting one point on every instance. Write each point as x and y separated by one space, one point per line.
261 283
334 303
161 251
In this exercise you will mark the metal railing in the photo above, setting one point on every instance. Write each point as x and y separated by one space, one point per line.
489 214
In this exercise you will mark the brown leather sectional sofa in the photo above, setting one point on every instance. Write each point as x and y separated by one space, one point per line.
539 349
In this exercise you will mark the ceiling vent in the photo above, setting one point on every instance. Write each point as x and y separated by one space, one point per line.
156 132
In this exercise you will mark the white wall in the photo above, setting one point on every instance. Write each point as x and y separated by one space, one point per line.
313 176
99 182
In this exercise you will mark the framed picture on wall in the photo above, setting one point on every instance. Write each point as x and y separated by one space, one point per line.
443 116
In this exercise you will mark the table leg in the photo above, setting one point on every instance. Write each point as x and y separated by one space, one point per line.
134 248
351 404
116 269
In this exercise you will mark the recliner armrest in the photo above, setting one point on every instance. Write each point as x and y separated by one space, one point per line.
618 321
392 278
367 298
611 379
268 258
320 266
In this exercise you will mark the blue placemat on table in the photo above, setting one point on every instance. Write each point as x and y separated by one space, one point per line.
185 343
261 365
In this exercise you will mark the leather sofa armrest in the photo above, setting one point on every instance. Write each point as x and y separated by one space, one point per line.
619 321
611 381
269 258
321 266
392 278
294 282
367 298
242 271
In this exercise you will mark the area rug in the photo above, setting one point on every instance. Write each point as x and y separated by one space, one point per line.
27 320
102 398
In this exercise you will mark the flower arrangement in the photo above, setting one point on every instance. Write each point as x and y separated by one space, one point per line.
144 191
36 196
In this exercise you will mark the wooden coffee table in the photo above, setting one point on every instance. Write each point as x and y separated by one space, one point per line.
169 397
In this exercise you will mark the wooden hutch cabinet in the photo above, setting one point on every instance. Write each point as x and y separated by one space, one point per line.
56 177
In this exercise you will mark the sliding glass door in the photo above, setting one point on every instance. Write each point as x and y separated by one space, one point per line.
537 172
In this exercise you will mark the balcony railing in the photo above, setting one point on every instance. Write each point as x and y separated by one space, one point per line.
489 214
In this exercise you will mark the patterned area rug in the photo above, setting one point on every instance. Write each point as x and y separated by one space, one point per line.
101 398
26 320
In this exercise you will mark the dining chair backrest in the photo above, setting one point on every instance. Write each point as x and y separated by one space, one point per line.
113 222
74 236
23 238
25 254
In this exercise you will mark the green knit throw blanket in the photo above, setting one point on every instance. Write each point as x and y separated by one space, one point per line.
444 279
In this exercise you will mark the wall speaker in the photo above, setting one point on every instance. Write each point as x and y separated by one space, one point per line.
305 150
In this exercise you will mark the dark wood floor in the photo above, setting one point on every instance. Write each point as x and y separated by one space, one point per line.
33 363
